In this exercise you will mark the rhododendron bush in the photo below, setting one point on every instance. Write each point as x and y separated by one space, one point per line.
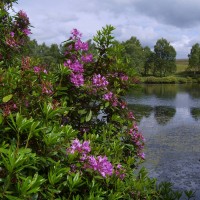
67 133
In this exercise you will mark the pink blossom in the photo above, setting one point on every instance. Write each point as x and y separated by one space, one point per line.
11 42
108 96
130 115
37 69
75 33
47 88
79 45
100 164
87 58
120 171
123 105
12 34
76 67
26 31
76 146
77 79
22 14
124 77
45 71
99 81
142 155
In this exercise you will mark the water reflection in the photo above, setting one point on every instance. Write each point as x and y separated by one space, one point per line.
163 114
195 112
161 91
141 111
168 116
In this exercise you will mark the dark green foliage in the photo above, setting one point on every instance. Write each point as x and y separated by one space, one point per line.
133 51
165 58
194 58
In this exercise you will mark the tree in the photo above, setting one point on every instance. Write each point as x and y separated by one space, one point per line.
194 58
165 58
148 60
134 53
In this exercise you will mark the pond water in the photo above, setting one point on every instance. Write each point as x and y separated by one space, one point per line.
169 118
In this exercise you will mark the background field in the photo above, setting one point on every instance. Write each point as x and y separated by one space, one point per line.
182 65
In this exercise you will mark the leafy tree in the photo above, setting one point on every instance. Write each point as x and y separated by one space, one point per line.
133 51
14 33
148 60
41 54
165 58
194 58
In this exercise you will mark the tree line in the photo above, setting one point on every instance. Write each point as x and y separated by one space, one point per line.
161 61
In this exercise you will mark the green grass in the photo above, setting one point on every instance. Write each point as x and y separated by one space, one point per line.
182 65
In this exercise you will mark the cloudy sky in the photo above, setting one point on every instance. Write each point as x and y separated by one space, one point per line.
178 21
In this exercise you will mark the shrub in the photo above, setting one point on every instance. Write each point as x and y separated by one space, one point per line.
67 133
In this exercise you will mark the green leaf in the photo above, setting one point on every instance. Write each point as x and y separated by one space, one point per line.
107 104
7 98
89 116
1 118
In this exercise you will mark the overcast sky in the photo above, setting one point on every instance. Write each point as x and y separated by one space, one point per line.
178 21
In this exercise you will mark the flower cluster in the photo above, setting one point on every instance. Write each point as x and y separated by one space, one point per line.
120 171
111 98
100 164
76 146
8 108
77 58
138 140
75 66
20 30
79 45
37 70
99 81
47 88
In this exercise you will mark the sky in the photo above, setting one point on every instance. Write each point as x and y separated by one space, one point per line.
178 21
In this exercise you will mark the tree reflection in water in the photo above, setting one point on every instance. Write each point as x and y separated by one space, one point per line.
163 114
195 112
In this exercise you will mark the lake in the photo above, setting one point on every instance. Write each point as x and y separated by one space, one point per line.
169 118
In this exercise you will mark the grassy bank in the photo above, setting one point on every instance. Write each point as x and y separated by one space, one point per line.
182 75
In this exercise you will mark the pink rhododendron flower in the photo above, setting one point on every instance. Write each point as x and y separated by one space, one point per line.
47 88
99 81
130 115
77 79
76 67
12 34
123 105
87 58
79 45
80 148
37 69
26 31
100 164
124 77
11 42
142 155
108 96
75 33
22 14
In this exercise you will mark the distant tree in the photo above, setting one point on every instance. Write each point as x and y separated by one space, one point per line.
42 54
148 60
134 53
165 58
194 58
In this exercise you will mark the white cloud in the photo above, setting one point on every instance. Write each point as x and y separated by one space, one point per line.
176 20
